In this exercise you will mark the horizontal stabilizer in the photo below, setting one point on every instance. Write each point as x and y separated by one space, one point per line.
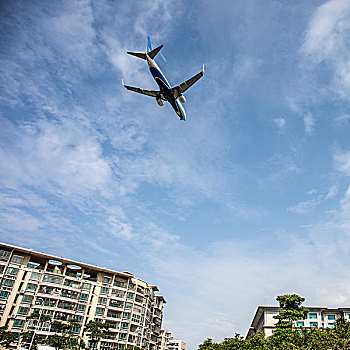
150 54
138 54
155 51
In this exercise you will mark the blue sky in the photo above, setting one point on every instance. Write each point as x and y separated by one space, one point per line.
247 199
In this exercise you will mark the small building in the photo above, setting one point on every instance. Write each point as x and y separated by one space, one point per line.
321 317
176 345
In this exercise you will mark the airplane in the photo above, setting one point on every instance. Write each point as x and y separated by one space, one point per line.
173 95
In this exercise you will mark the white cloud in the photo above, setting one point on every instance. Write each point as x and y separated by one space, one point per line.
70 32
343 162
307 207
324 34
245 67
56 155
280 122
326 41
342 118
333 191
309 123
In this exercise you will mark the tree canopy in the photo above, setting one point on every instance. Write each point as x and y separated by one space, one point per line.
288 337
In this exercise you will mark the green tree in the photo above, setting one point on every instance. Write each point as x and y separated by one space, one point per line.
6 337
256 342
95 331
293 311
285 336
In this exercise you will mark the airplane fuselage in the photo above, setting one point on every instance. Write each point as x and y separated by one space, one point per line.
165 88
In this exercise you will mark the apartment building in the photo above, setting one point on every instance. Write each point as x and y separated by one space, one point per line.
176 345
165 337
67 290
169 343
320 317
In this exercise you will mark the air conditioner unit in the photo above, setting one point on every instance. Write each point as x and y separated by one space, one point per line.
22 291
13 316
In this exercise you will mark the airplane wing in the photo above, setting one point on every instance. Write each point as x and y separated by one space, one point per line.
180 89
151 93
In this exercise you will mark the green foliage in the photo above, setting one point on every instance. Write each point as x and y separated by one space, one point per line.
293 311
57 341
286 336
96 330
6 337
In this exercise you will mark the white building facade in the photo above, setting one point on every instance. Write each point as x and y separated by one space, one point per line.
68 290
176 345
320 317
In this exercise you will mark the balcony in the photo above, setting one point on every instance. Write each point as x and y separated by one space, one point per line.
34 325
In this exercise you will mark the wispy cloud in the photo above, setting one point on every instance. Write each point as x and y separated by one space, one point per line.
308 206
281 123
325 41
309 123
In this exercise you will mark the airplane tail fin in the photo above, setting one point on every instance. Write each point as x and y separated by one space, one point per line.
149 45
151 53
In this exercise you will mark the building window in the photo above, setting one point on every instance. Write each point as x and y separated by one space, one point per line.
313 324
12 271
118 293
53 279
130 295
104 290
18 324
78 318
8 283
106 280
119 284
125 325
86 286
23 310
27 299
121 346
17 259
70 283
126 315
84 296
113 314
100 311
116 303
331 317
4 295
330 325
35 276
122 336
31 287
128 305
4 256
81 307
313 316
102 300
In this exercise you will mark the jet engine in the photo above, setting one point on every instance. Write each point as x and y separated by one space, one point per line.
182 98
160 102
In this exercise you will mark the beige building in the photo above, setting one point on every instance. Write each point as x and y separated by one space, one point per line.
176 345
320 317
165 338
168 342
68 290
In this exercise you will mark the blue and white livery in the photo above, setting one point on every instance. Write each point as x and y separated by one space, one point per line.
174 95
